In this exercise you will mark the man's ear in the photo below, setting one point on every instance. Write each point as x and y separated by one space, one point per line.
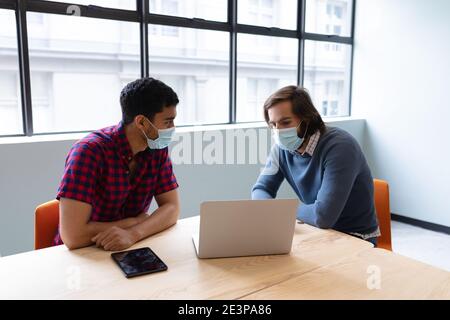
139 122
143 124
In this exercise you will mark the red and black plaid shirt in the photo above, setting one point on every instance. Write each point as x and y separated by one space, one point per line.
97 172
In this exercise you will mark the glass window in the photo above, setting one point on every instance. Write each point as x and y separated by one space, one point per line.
195 63
204 9
327 76
117 4
268 13
329 17
10 103
78 68
79 65
264 64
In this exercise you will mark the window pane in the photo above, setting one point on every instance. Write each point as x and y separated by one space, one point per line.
329 17
268 13
117 4
264 64
10 104
78 67
205 9
195 63
327 76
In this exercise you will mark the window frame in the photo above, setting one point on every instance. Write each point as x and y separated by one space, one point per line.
144 17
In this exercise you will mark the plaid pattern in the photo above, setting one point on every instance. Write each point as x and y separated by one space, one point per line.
312 143
97 172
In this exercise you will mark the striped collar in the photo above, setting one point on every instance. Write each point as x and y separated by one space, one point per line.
312 143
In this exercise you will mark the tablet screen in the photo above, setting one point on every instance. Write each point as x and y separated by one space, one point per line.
138 262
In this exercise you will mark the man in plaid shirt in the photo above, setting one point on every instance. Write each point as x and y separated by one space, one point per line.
112 175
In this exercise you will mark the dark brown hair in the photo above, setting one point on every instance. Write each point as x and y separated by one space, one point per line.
302 106
146 96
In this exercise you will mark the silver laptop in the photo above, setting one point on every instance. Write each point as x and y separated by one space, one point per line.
245 228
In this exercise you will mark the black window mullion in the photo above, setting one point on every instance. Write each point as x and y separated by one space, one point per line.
88 11
232 20
352 35
327 38
266 31
143 8
301 5
351 59
24 67
8 4
183 22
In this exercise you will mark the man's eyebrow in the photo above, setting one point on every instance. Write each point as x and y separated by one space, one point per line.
170 118
282 119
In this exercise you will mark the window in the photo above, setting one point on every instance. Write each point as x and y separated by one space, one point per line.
169 7
10 105
195 63
268 13
329 17
264 64
78 66
215 10
327 77
222 64
256 91
117 4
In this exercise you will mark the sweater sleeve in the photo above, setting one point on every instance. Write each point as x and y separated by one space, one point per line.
340 171
270 179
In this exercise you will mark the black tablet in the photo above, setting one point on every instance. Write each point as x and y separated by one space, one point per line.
138 262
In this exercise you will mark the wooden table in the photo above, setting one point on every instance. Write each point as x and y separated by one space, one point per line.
323 264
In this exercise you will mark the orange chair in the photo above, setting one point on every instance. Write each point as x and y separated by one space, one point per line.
381 195
46 222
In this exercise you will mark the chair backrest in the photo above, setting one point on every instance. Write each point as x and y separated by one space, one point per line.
46 222
381 195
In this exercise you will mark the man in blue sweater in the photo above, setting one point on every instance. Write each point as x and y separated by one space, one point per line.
325 166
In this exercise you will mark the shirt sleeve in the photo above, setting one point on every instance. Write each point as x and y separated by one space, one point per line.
270 179
166 178
80 174
340 171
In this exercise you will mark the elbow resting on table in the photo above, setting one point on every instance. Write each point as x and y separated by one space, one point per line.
73 244
322 223
175 210
75 240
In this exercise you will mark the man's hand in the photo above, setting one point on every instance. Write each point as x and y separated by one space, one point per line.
115 239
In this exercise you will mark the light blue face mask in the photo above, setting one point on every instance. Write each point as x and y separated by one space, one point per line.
288 139
165 137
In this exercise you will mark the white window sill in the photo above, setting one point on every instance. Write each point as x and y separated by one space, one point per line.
77 136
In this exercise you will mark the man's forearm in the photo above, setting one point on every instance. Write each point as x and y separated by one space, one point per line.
161 219
95 227
84 238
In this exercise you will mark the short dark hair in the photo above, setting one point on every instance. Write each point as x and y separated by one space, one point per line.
302 106
145 96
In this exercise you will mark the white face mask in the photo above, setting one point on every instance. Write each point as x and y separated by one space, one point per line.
165 137
288 139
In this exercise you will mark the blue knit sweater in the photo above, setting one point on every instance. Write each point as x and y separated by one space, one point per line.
335 185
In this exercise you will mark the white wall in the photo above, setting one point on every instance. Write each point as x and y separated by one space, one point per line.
401 87
31 168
